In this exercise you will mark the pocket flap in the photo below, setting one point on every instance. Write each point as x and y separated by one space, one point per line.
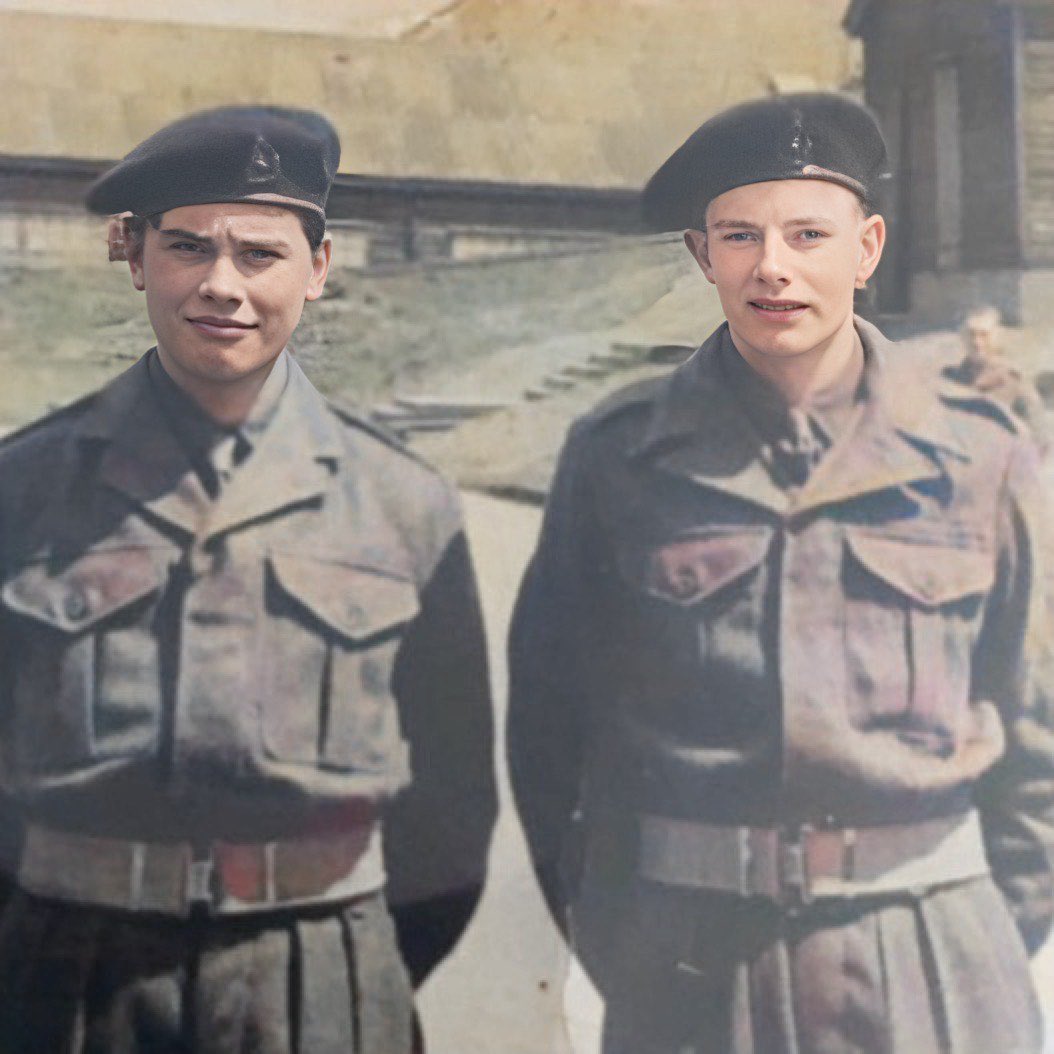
928 572
94 586
692 568
357 601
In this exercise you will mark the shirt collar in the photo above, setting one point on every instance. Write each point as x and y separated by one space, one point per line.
696 397
831 408
196 431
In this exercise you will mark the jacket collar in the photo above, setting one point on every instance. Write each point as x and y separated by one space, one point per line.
900 436
142 458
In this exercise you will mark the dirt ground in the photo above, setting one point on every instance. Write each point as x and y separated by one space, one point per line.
64 330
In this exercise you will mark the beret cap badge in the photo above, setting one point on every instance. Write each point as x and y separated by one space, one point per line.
263 166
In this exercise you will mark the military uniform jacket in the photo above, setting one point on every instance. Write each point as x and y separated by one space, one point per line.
301 653
694 641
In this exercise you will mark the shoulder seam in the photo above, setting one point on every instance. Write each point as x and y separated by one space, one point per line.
360 420
46 419
624 399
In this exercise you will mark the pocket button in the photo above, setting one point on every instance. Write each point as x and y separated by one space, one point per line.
76 605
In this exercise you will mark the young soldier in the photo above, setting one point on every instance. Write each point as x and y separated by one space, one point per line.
244 687
775 732
984 366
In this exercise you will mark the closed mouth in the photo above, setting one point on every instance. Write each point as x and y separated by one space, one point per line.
778 305
221 323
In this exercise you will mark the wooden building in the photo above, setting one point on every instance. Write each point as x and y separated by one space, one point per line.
964 90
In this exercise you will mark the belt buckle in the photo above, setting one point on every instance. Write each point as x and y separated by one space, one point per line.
200 880
810 854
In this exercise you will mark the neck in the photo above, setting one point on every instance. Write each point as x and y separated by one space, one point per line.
228 403
798 377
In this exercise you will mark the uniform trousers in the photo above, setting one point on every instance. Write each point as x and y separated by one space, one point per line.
708 973
80 980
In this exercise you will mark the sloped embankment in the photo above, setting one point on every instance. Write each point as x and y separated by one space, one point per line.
64 329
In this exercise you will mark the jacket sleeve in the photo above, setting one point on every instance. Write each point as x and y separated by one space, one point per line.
437 832
549 654
1015 669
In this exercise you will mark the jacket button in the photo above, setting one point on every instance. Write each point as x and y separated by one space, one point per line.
374 677
76 606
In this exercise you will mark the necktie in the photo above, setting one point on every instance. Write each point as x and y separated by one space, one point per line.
798 452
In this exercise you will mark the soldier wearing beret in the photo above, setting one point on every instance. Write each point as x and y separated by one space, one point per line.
776 732
244 693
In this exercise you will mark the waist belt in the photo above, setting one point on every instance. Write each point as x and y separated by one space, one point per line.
806 863
224 878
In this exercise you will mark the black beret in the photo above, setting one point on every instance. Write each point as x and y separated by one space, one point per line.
815 135
269 154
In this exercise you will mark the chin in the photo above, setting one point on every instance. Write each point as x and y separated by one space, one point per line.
221 370
784 346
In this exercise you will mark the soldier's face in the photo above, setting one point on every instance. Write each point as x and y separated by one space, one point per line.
225 287
785 257
982 338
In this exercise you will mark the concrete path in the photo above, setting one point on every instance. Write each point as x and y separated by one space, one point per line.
509 987
502 990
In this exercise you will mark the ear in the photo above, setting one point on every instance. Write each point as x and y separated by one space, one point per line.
320 269
134 255
699 248
117 239
872 241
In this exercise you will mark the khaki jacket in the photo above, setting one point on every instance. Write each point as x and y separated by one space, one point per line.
304 649
694 641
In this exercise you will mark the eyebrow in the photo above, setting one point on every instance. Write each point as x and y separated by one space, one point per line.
801 221
179 232
248 242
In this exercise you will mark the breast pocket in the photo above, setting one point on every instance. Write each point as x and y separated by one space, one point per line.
913 613
334 630
84 662
692 568
695 602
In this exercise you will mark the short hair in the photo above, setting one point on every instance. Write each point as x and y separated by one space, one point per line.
311 223
986 313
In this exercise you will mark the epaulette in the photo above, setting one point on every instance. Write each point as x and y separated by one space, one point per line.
624 399
49 418
361 420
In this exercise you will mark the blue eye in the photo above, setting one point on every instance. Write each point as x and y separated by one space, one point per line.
261 254
189 247
737 236
813 236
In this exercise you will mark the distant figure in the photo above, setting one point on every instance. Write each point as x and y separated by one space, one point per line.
984 367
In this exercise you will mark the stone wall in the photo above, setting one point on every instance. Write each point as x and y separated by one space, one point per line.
576 92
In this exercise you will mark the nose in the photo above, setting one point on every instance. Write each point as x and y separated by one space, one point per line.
772 263
221 281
